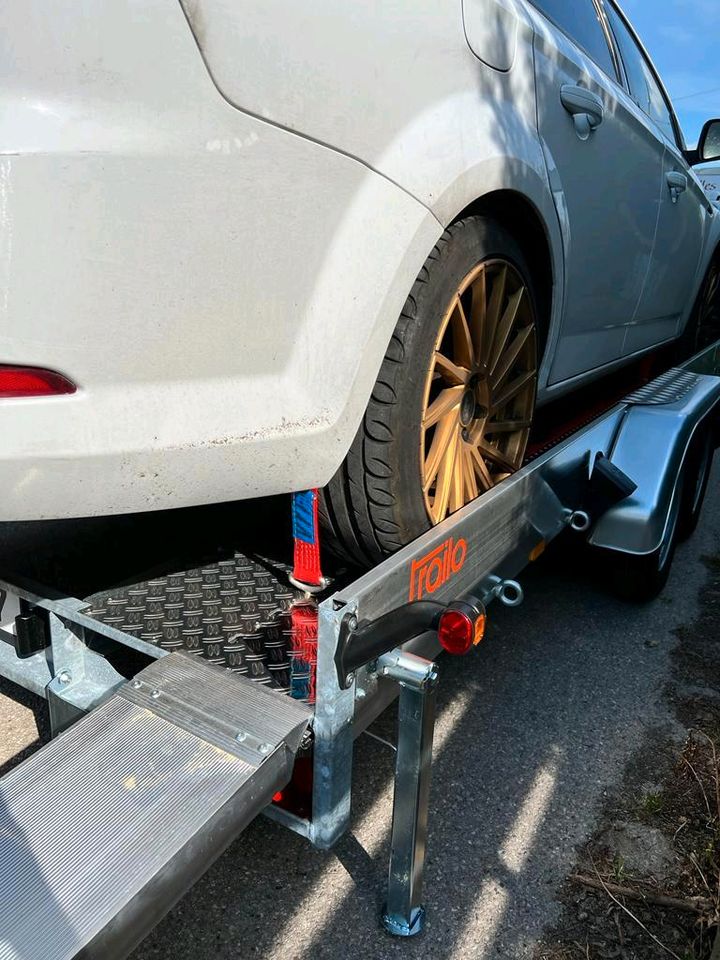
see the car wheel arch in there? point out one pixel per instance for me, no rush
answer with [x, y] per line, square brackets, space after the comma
[522, 218]
[531, 218]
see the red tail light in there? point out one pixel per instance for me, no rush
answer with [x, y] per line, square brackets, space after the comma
[32, 382]
[461, 627]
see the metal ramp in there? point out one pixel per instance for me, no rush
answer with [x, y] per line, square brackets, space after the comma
[105, 828]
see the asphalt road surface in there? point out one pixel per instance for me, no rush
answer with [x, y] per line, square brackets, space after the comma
[534, 728]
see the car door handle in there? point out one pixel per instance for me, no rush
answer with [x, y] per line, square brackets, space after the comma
[585, 107]
[678, 184]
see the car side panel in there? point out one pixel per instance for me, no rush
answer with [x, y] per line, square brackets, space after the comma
[394, 84]
[677, 264]
[437, 95]
[610, 185]
[221, 290]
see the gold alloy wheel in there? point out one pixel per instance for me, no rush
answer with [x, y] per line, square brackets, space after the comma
[480, 389]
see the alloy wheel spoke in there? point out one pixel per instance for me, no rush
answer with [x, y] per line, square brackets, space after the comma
[471, 487]
[512, 390]
[457, 488]
[449, 371]
[446, 401]
[445, 478]
[481, 469]
[497, 297]
[504, 328]
[496, 456]
[504, 364]
[440, 442]
[713, 288]
[462, 341]
[478, 313]
[475, 433]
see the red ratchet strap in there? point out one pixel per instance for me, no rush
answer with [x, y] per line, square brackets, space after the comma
[306, 535]
[303, 658]
[307, 575]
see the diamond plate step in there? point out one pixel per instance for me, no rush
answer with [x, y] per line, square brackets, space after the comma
[669, 387]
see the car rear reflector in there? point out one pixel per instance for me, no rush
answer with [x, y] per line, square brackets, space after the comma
[32, 382]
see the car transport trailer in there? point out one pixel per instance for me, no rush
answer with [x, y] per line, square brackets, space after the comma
[160, 758]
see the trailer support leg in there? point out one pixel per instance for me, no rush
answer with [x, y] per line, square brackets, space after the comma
[403, 914]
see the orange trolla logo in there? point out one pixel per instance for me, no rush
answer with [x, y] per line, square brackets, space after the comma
[430, 572]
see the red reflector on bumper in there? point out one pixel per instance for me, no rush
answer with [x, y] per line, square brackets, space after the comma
[32, 382]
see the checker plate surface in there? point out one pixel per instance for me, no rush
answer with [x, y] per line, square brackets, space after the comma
[234, 612]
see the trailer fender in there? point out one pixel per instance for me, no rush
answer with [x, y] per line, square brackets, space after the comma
[651, 445]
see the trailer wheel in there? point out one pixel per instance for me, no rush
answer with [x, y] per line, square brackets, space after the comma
[704, 325]
[640, 579]
[697, 473]
[451, 410]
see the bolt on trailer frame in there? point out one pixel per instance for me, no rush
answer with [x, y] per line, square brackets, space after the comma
[216, 746]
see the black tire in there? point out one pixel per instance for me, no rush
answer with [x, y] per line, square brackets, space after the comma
[704, 325]
[640, 579]
[375, 503]
[697, 473]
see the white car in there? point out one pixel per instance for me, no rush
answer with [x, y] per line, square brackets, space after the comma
[212, 215]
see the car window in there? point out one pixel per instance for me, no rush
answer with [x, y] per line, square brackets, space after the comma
[644, 88]
[580, 20]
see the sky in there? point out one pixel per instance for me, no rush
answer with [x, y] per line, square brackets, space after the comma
[683, 39]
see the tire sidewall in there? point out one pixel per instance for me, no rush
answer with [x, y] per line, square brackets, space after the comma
[699, 465]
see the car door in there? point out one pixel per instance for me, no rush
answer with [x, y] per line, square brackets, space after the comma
[683, 210]
[605, 169]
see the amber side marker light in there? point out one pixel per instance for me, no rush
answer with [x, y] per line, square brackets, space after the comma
[461, 627]
[537, 551]
[32, 382]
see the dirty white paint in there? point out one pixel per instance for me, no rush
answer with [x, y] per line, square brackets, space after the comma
[213, 237]
[6, 233]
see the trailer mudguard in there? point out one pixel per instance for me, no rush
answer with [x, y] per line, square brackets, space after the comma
[650, 446]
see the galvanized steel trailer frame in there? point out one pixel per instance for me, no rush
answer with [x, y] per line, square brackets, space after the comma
[478, 551]
[647, 435]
